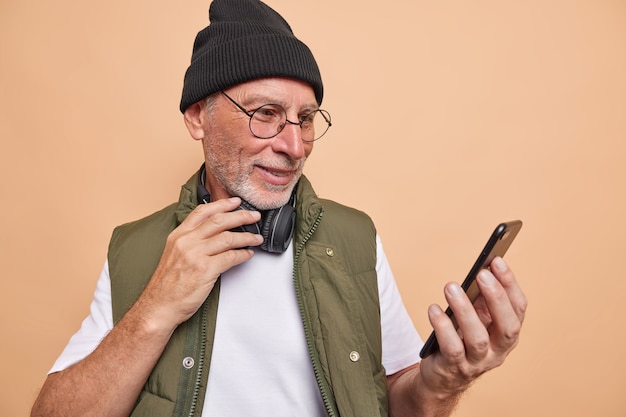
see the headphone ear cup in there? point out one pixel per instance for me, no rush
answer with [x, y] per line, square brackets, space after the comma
[277, 229]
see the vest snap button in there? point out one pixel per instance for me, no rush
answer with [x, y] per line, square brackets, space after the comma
[330, 252]
[188, 362]
[354, 356]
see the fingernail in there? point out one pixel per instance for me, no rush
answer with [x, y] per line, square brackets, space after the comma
[499, 264]
[455, 290]
[435, 310]
[486, 278]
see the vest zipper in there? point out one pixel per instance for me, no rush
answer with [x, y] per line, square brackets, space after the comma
[198, 379]
[321, 384]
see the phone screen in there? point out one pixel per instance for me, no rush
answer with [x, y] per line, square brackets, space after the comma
[497, 245]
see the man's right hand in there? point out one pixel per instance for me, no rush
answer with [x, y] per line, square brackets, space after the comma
[195, 255]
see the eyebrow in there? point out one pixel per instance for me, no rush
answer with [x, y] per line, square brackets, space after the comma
[260, 99]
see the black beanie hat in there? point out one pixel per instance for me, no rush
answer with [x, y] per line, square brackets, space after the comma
[246, 40]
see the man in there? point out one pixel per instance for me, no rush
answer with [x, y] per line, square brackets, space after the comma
[285, 307]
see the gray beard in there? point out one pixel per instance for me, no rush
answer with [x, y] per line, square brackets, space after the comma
[275, 197]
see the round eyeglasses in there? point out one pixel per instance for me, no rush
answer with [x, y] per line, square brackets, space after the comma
[270, 119]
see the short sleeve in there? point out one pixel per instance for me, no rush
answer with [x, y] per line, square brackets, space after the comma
[401, 342]
[93, 329]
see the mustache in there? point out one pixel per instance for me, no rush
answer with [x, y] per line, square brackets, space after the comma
[283, 163]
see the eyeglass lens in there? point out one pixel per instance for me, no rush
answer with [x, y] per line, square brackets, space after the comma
[269, 120]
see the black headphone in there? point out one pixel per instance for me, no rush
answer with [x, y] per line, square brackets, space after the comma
[276, 225]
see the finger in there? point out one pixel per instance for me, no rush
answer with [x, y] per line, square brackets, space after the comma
[470, 326]
[506, 324]
[202, 212]
[228, 240]
[212, 235]
[221, 222]
[227, 259]
[450, 343]
[483, 311]
[507, 279]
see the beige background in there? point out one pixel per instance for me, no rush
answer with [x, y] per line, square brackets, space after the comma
[449, 116]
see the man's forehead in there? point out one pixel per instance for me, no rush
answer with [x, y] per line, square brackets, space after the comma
[283, 91]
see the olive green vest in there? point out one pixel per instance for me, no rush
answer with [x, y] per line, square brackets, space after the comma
[336, 287]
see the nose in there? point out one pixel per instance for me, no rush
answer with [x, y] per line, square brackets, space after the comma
[289, 141]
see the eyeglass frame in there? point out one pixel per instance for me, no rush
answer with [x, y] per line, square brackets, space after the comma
[324, 113]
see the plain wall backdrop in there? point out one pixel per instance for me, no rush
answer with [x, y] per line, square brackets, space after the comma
[448, 117]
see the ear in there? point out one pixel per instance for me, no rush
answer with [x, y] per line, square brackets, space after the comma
[194, 120]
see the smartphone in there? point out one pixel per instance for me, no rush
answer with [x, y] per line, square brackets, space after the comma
[497, 245]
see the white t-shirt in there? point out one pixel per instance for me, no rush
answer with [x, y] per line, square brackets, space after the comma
[260, 363]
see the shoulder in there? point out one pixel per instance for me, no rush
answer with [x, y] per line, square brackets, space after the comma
[161, 220]
[344, 216]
